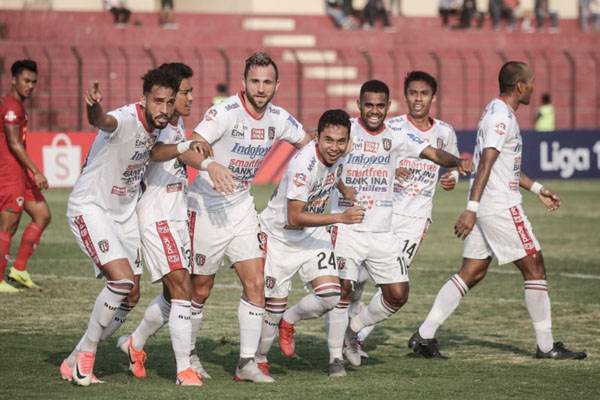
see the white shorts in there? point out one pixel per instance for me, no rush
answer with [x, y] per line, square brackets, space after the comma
[507, 234]
[411, 231]
[105, 240]
[379, 251]
[233, 232]
[166, 248]
[312, 258]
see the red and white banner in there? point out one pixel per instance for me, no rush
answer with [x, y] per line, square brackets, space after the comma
[60, 155]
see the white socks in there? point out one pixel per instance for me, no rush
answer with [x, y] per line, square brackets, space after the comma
[155, 316]
[103, 312]
[377, 310]
[313, 305]
[118, 320]
[337, 322]
[180, 329]
[445, 303]
[274, 311]
[538, 305]
[250, 318]
[196, 314]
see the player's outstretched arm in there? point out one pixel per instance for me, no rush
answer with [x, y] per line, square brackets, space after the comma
[466, 221]
[13, 135]
[449, 179]
[95, 114]
[445, 159]
[545, 195]
[162, 152]
[298, 217]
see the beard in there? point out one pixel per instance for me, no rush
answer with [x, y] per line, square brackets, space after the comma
[152, 122]
[256, 106]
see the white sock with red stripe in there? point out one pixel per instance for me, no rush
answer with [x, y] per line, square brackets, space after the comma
[313, 305]
[336, 324]
[180, 329]
[445, 303]
[538, 305]
[155, 317]
[273, 312]
[103, 312]
[196, 314]
[250, 318]
[117, 321]
[377, 310]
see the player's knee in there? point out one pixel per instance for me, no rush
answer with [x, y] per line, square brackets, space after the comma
[43, 220]
[396, 298]
[330, 301]
[200, 294]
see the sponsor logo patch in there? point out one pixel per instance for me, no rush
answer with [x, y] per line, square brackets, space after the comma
[20, 201]
[10, 116]
[119, 190]
[271, 132]
[211, 115]
[372, 147]
[341, 263]
[440, 143]
[300, 179]
[500, 128]
[174, 187]
[257, 134]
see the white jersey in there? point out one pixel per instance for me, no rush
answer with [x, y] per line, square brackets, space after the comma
[414, 197]
[498, 129]
[164, 187]
[370, 169]
[109, 183]
[240, 143]
[306, 179]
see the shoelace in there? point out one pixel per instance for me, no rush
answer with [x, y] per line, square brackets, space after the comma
[287, 332]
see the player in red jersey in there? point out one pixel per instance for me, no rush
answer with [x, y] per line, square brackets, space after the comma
[18, 189]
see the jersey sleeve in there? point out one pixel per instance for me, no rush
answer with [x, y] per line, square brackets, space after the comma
[212, 126]
[300, 180]
[451, 145]
[121, 116]
[13, 113]
[289, 130]
[168, 135]
[496, 128]
[413, 145]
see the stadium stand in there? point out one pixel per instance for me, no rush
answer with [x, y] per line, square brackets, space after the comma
[320, 66]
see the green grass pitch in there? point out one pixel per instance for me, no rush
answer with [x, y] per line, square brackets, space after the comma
[489, 338]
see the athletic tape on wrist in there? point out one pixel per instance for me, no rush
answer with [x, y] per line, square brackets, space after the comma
[205, 163]
[454, 174]
[536, 187]
[183, 146]
[473, 206]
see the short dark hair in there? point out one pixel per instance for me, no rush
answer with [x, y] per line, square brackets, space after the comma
[546, 99]
[510, 74]
[160, 77]
[374, 86]
[260, 60]
[21, 65]
[334, 117]
[420, 76]
[180, 70]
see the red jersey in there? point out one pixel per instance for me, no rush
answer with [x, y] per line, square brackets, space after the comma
[11, 113]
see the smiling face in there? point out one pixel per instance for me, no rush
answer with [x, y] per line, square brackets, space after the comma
[419, 97]
[24, 84]
[184, 98]
[373, 109]
[260, 86]
[158, 106]
[332, 144]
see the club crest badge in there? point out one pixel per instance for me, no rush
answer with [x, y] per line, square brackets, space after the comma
[387, 144]
[270, 282]
[200, 259]
[103, 246]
